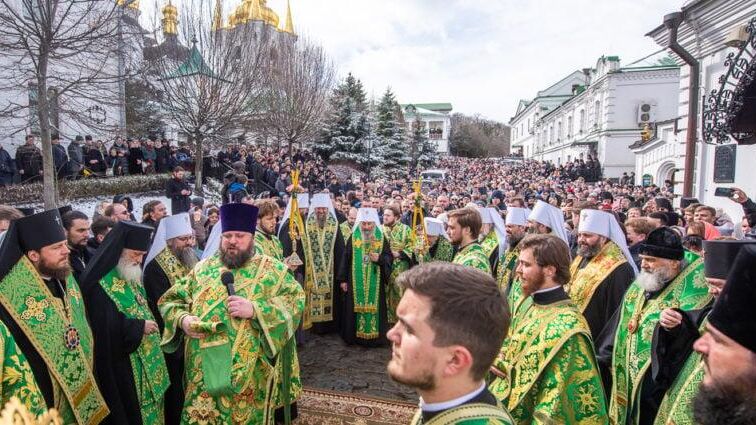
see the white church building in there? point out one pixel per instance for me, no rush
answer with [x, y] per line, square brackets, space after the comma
[711, 31]
[599, 112]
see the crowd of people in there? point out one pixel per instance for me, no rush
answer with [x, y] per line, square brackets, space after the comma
[510, 292]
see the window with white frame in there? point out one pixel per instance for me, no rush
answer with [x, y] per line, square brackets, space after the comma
[582, 120]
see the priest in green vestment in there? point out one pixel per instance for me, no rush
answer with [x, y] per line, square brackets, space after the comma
[129, 363]
[266, 241]
[443, 349]
[238, 312]
[398, 235]
[347, 225]
[439, 248]
[516, 224]
[464, 228]
[670, 277]
[493, 235]
[363, 281]
[546, 370]
[674, 363]
[323, 249]
[170, 259]
[727, 394]
[47, 340]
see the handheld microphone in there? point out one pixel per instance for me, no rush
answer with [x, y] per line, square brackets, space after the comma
[228, 281]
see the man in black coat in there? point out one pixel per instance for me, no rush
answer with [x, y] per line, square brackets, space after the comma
[178, 191]
[162, 152]
[7, 168]
[60, 158]
[29, 161]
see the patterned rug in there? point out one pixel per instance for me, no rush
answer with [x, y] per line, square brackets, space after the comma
[319, 407]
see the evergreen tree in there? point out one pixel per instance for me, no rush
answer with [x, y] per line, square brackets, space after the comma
[390, 134]
[346, 125]
[424, 151]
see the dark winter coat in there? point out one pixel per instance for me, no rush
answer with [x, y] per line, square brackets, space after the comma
[29, 160]
[76, 157]
[179, 203]
[60, 160]
[7, 167]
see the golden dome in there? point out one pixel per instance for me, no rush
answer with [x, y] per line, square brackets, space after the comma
[268, 15]
[133, 5]
[249, 10]
[170, 19]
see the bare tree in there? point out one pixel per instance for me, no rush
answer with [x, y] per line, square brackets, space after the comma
[215, 91]
[63, 53]
[298, 84]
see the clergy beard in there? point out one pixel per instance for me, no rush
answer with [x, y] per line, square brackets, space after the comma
[514, 240]
[651, 281]
[186, 256]
[236, 259]
[588, 251]
[53, 271]
[128, 270]
[725, 403]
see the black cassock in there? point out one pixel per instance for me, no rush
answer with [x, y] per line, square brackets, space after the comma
[607, 297]
[115, 338]
[348, 326]
[156, 282]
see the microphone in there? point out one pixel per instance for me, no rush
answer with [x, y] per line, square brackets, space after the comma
[228, 281]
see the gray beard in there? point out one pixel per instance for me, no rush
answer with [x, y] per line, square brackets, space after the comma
[129, 271]
[186, 256]
[650, 282]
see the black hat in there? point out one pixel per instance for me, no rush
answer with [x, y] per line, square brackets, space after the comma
[663, 243]
[238, 218]
[198, 201]
[733, 313]
[78, 139]
[30, 233]
[26, 211]
[684, 202]
[126, 235]
[720, 256]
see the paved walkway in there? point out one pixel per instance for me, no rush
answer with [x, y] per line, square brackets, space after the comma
[327, 363]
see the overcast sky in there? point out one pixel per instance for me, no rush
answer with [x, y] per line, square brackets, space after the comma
[480, 55]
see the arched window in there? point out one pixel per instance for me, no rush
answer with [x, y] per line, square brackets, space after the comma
[582, 120]
[597, 113]
[569, 126]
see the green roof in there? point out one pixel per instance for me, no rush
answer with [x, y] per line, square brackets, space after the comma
[193, 65]
[443, 107]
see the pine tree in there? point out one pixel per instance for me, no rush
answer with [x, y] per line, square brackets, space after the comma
[424, 151]
[390, 134]
[346, 126]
